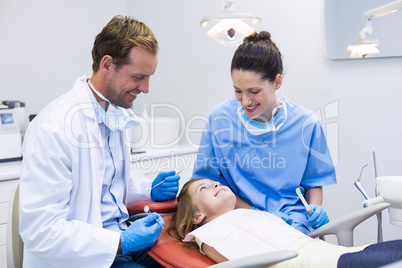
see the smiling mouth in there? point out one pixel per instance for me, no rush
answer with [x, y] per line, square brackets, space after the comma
[220, 190]
[250, 108]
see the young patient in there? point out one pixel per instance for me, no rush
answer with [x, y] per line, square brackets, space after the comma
[206, 219]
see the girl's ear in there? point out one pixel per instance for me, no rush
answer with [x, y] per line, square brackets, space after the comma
[198, 218]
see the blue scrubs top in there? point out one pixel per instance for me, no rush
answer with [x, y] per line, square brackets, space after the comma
[265, 170]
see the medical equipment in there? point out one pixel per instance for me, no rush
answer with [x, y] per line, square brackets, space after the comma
[308, 208]
[177, 173]
[388, 189]
[360, 187]
[12, 129]
[147, 210]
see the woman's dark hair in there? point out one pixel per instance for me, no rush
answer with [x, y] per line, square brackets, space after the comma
[258, 54]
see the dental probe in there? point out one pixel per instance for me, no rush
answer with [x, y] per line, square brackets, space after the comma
[177, 173]
[146, 210]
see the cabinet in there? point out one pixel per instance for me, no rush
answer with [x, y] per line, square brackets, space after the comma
[6, 188]
[9, 175]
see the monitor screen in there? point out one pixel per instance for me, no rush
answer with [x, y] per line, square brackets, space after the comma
[6, 119]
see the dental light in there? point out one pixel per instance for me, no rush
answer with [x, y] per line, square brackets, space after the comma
[230, 27]
[368, 47]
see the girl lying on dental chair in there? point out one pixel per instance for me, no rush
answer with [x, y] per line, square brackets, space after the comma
[206, 220]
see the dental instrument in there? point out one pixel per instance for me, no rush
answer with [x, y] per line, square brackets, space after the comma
[308, 208]
[177, 173]
[359, 186]
[147, 210]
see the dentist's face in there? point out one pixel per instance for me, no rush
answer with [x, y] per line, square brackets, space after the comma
[124, 84]
[211, 198]
[257, 96]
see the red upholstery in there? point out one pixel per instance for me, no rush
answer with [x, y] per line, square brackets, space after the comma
[167, 250]
[169, 206]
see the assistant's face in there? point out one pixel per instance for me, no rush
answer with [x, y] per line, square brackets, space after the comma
[211, 198]
[257, 96]
[124, 84]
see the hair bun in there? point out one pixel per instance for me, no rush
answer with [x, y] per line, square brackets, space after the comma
[255, 37]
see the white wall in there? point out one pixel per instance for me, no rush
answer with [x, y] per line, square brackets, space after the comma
[46, 44]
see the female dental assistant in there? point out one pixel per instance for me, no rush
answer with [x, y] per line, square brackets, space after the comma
[264, 147]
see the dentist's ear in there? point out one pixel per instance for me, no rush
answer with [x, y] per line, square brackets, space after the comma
[278, 81]
[198, 218]
[106, 63]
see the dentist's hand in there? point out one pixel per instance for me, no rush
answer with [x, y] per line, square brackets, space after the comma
[283, 216]
[141, 234]
[318, 216]
[167, 189]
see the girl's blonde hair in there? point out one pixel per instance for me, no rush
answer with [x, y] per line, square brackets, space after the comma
[182, 221]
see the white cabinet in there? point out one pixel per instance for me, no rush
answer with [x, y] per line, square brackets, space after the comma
[9, 174]
[150, 164]
[6, 188]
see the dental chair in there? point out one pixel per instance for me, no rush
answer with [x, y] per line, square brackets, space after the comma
[170, 252]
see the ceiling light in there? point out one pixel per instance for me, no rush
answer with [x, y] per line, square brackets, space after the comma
[230, 27]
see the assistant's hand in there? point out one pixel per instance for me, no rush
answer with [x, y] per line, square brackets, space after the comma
[283, 216]
[168, 189]
[141, 234]
[318, 216]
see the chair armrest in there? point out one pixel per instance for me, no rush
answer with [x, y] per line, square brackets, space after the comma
[343, 227]
[165, 207]
[260, 260]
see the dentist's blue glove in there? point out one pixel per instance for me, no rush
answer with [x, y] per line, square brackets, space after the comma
[168, 188]
[318, 216]
[141, 234]
[283, 216]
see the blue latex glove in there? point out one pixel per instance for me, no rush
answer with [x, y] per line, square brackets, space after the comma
[168, 189]
[141, 234]
[283, 216]
[318, 216]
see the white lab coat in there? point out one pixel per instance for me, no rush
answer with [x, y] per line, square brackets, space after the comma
[61, 184]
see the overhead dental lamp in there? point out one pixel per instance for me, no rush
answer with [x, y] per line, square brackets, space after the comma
[368, 47]
[229, 27]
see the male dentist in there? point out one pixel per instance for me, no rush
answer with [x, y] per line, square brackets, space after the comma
[75, 182]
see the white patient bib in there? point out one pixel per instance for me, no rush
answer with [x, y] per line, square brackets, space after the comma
[245, 232]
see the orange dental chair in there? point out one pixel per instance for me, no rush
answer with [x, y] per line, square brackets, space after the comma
[170, 252]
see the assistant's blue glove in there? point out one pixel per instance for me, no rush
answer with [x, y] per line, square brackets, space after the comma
[141, 234]
[318, 216]
[168, 189]
[283, 216]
